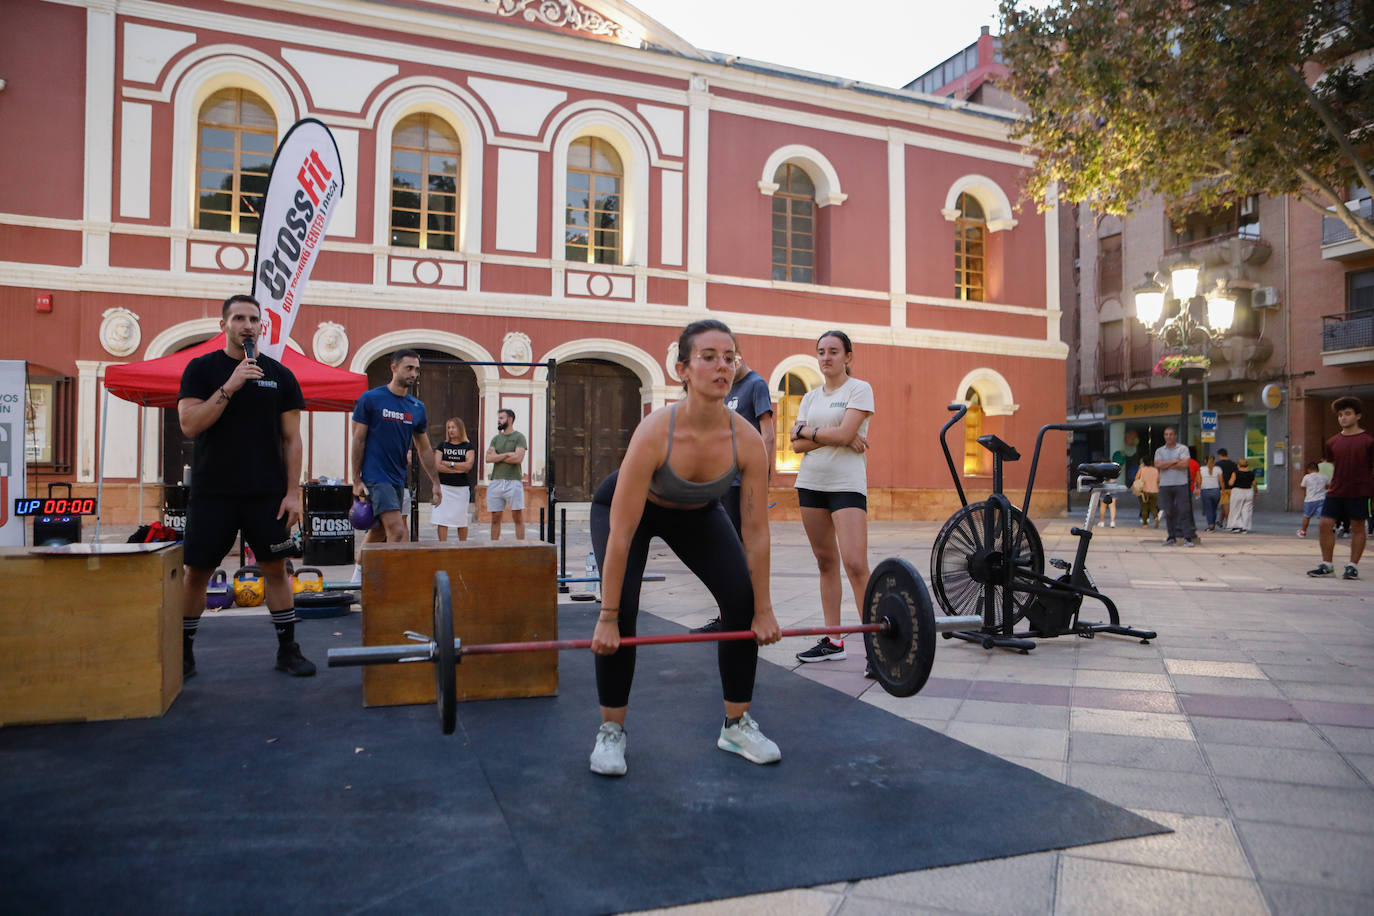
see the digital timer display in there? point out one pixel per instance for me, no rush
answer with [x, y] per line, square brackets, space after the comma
[52, 506]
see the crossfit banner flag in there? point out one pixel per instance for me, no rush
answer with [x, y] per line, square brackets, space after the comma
[305, 183]
[15, 423]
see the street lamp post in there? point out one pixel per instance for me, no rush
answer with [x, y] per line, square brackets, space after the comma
[1180, 328]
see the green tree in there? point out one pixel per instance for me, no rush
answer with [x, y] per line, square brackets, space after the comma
[1198, 101]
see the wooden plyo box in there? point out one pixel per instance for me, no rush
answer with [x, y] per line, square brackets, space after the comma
[502, 592]
[90, 635]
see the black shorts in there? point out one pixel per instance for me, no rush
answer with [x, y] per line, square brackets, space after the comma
[212, 523]
[831, 502]
[1346, 508]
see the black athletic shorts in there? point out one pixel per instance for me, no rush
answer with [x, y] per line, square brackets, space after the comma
[1346, 508]
[831, 502]
[212, 523]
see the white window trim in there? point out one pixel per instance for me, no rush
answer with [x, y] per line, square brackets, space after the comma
[996, 207]
[993, 392]
[455, 108]
[803, 364]
[811, 161]
[624, 137]
[224, 67]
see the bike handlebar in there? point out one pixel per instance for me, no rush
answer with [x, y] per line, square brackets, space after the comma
[949, 459]
[1035, 460]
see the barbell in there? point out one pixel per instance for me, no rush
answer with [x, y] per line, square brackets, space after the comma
[899, 627]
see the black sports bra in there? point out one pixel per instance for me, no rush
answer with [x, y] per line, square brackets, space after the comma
[669, 487]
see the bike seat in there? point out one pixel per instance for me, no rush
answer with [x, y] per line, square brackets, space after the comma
[1100, 470]
[999, 448]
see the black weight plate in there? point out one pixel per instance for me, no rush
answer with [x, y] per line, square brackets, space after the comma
[902, 658]
[445, 660]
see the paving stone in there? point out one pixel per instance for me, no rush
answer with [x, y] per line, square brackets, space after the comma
[1047, 743]
[1300, 855]
[1304, 899]
[1184, 793]
[1132, 751]
[1121, 722]
[1092, 887]
[1026, 714]
[1207, 845]
[1282, 764]
[1211, 730]
[1021, 884]
[1321, 807]
[1349, 739]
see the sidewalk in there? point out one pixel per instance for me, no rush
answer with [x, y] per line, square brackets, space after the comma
[1247, 726]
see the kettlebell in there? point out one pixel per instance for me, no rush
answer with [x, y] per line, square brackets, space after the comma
[249, 590]
[307, 579]
[217, 593]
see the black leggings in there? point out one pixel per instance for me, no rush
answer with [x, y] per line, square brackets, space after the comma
[707, 544]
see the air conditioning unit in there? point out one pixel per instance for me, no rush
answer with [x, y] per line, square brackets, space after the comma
[1265, 297]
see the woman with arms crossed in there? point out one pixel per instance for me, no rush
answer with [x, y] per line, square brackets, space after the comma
[832, 487]
[681, 460]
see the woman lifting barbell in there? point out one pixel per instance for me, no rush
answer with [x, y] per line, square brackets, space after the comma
[682, 458]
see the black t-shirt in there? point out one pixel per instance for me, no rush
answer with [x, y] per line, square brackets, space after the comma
[450, 452]
[1228, 467]
[241, 453]
[1245, 480]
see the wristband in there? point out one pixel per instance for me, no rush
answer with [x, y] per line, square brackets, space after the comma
[224, 394]
[814, 430]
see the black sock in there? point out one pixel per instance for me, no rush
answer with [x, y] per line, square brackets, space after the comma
[285, 623]
[189, 625]
[732, 721]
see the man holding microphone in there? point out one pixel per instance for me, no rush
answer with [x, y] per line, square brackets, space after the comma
[244, 411]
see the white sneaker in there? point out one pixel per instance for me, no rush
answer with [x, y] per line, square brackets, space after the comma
[357, 575]
[1113, 524]
[608, 757]
[745, 739]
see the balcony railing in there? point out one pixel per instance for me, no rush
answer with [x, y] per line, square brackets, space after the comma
[1334, 231]
[1348, 331]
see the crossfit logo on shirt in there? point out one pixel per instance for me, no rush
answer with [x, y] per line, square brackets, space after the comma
[267, 383]
[397, 415]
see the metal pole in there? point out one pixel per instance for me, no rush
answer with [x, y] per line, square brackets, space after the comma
[562, 550]
[549, 414]
[100, 486]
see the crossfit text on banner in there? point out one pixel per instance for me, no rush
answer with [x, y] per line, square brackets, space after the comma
[305, 183]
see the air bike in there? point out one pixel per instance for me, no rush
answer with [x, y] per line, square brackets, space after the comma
[988, 559]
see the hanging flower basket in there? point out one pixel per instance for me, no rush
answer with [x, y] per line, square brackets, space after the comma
[1179, 365]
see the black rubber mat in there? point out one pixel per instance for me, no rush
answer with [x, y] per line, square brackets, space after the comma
[260, 791]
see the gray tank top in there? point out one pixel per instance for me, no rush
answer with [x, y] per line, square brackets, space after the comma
[667, 486]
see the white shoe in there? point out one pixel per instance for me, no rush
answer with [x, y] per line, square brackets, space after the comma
[608, 757]
[745, 739]
[1113, 524]
[357, 575]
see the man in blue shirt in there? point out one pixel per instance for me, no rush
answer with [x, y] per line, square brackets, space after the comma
[387, 422]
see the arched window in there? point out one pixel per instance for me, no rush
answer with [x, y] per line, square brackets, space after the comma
[970, 246]
[593, 222]
[794, 225]
[790, 391]
[424, 184]
[235, 136]
[974, 454]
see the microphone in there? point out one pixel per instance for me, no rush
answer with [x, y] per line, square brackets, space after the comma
[250, 347]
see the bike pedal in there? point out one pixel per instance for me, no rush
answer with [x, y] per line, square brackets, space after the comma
[1060, 564]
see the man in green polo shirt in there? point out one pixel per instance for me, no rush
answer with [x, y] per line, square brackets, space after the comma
[505, 489]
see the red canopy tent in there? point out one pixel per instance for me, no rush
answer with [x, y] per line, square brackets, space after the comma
[155, 382]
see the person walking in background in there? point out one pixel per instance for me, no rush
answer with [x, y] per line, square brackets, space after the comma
[1351, 453]
[1228, 470]
[1148, 478]
[1209, 490]
[750, 398]
[506, 486]
[1175, 494]
[831, 435]
[1314, 484]
[454, 457]
[1242, 497]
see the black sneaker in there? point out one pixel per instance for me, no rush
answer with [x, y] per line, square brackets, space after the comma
[823, 651]
[868, 671]
[1323, 569]
[290, 660]
[1351, 571]
[1172, 542]
[711, 626]
[188, 660]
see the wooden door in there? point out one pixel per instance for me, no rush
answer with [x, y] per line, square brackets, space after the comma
[596, 409]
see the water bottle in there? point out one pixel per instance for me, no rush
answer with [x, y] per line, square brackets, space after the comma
[589, 587]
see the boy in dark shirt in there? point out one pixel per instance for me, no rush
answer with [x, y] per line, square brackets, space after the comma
[1351, 452]
[245, 414]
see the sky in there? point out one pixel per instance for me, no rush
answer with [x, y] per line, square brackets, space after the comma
[888, 42]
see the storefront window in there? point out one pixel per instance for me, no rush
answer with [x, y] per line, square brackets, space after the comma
[1256, 448]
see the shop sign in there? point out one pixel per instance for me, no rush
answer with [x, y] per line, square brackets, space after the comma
[1145, 407]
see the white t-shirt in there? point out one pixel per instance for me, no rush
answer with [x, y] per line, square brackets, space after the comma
[1316, 485]
[1209, 480]
[832, 468]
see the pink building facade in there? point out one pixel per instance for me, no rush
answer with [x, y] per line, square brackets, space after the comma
[780, 202]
